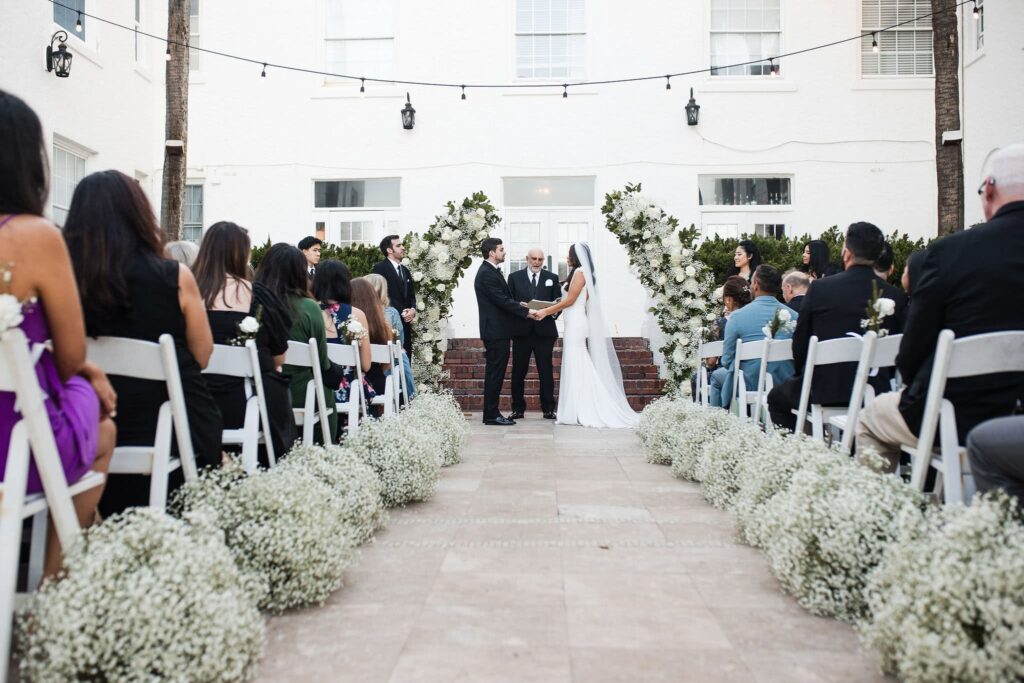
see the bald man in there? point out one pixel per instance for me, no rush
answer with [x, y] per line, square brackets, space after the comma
[531, 337]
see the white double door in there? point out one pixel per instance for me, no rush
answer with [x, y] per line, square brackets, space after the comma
[553, 230]
[349, 227]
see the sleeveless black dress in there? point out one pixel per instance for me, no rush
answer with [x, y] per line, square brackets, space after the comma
[152, 309]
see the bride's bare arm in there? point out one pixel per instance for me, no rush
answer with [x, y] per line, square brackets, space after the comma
[575, 287]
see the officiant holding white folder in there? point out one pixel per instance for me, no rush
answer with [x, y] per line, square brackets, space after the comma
[530, 337]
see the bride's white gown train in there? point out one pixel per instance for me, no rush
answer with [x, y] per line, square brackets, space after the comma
[584, 398]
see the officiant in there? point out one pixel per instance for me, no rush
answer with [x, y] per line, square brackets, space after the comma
[531, 337]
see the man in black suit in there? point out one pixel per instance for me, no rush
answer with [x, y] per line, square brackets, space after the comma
[498, 313]
[832, 307]
[310, 248]
[530, 337]
[794, 287]
[969, 283]
[401, 290]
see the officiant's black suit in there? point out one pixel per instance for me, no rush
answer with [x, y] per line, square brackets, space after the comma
[499, 313]
[530, 337]
[401, 293]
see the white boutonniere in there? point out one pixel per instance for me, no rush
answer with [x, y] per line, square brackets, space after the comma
[549, 282]
[10, 312]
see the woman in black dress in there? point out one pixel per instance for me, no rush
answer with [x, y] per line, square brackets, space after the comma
[129, 290]
[221, 270]
[817, 260]
[745, 260]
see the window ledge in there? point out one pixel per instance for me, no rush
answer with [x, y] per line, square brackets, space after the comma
[774, 85]
[896, 83]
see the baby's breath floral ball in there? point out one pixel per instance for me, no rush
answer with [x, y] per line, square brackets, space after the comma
[143, 597]
[353, 481]
[406, 458]
[947, 601]
[440, 412]
[659, 422]
[719, 468]
[285, 527]
[690, 443]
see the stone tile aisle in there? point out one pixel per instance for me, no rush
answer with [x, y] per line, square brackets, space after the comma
[558, 554]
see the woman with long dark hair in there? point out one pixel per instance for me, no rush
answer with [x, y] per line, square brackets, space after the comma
[817, 261]
[365, 299]
[221, 270]
[129, 290]
[37, 272]
[746, 259]
[283, 272]
[912, 270]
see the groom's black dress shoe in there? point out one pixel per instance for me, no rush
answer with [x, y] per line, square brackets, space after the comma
[516, 415]
[503, 421]
[550, 415]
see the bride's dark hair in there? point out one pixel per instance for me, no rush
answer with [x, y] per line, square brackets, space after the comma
[573, 262]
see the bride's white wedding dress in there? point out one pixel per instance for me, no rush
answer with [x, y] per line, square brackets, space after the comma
[590, 390]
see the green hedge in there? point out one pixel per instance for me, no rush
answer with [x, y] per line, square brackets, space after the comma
[786, 253]
[359, 257]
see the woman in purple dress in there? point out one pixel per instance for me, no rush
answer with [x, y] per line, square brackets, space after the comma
[36, 269]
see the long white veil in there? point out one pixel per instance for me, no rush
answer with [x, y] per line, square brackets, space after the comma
[599, 344]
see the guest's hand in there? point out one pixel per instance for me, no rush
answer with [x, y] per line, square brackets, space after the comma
[104, 390]
[409, 314]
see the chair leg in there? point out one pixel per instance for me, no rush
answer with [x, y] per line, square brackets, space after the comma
[251, 437]
[158, 479]
[817, 428]
[37, 549]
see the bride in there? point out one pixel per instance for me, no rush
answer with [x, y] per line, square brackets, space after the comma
[590, 390]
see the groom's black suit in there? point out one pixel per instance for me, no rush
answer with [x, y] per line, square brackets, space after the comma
[532, 337]
[498, 314]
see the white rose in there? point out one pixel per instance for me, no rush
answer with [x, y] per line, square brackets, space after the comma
[784, 315]
[249, 325]
[646, 234]
[420, 306]
[417, 276]
[446, 235]
[691, 271]
[481, 213]
[355, 328]
[10, 312]
[686, 253]
[440, 287]
[464, 244]
[691, 286]
[662, 280]
[456, 233]
[717, 294]
[679, 355]
[885, 306]
[481, 235]
[654, 212]
[629, 215]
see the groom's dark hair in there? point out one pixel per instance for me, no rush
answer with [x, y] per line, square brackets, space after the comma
[489, 245]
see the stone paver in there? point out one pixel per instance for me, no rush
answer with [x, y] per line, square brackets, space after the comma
[557, 554]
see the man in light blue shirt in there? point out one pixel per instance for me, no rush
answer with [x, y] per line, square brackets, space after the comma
[748, 324]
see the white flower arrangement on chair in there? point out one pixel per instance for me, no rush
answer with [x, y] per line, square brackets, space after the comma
[11, 314]
[144, 597]
[879, 308]
[782, 321]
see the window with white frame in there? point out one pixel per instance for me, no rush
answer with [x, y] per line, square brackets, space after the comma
[360, 38]
[745, 31]
[550, 39]
[67, 12]
[138, 39]
[353, 194]
[193, 231]
[979, 25]
[194, 38]
[905, 50]
[744, 191]
[775, 230]
[68, 169]
[355, 232]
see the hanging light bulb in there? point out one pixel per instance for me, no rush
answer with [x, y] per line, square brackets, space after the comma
[976, 13]
[78, 22]
[668, 82]
[167, 54]
[263, 74]
[362, 87]
[772, 69]
[874, 43]
[463, 91]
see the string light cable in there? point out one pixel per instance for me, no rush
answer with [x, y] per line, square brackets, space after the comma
[772, 61]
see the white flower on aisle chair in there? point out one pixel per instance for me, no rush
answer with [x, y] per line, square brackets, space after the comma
[10, 312]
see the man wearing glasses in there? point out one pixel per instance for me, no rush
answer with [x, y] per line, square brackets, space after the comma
[532, 337]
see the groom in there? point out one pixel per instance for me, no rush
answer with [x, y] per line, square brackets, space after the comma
[498, 313]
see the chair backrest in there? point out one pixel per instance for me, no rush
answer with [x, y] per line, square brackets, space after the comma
[381, 353]
[233, 361]
[343, 354]
[750, 350]
[299, 354]
[155, 361]
[17, 375]
[828, 352]
[775, 351]
[706, 350]
[307, 355]
[711, 349]
[868, 351]
[744, 351]
[886, 350]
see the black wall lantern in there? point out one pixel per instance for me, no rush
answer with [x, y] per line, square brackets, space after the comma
[408, 114]
[692, 111]
[59, 60]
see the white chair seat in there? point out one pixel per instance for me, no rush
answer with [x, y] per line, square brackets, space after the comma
[36, 502]
[138, 460]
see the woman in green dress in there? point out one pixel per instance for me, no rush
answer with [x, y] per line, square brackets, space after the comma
[283, 272]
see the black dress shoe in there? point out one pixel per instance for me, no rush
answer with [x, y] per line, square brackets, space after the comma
[503, 421]
[516, 415]
[550, 415]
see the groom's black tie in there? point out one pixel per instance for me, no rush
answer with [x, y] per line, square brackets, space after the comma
[535, 285]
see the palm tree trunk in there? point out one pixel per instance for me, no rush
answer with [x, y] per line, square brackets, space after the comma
[172, 216]
[949, 164]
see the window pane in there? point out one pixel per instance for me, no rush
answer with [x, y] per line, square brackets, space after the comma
[727, 191]
[556, 191]
[383, 192]
[369, 58]
[360, 19]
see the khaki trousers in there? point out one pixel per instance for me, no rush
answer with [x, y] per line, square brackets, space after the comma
[882, 428]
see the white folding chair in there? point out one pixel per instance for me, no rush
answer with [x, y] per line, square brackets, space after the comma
[982, 354]
[743, 398]
[156, 362]
[398, 373]
[777, 350]
[829, 352]
[706, 350]
[881, 354]
[383, 354]
[314, 409]
[348, 355]
[31, 440]
[244, 362]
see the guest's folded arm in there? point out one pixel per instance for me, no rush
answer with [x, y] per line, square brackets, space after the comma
[197, 325]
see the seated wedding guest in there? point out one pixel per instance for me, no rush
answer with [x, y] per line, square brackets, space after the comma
[748, 324]
[394, 318]
[365, 298]
[80, 400]
[735, 295]
[885, 263]
[818, 260]
[832, 308]
[746, 259]
[332, 288]
[794, 287]
[964, 281]
[221, 271]
[183, 252]
[996, 451]
[129, 290]
[283, 272]
[310, 247]
[912, 271]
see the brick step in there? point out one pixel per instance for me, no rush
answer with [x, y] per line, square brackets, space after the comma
[465, 371]
[477, 344]
[470, 357]
[475, 404]
[644, 387]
